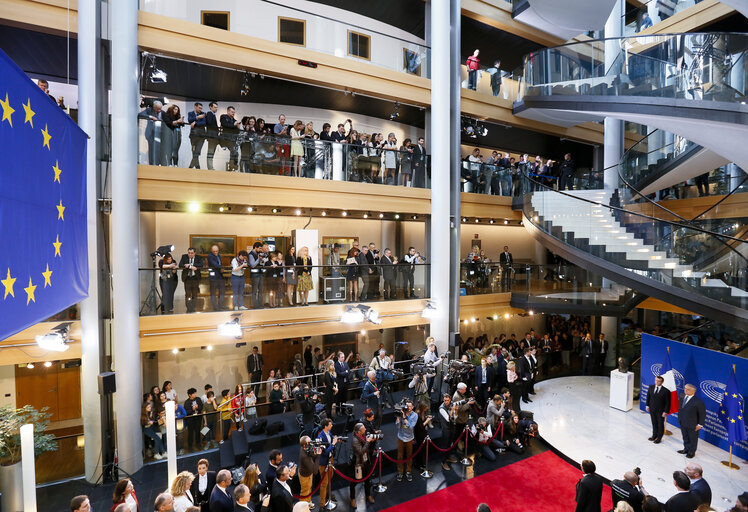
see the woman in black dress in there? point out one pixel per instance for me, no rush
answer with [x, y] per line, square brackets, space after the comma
[329, 379]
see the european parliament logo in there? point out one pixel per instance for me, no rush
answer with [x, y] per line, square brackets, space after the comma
[43, 264]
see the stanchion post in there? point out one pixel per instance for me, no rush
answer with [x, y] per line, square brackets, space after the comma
[380, 486]
[465, 461]
[329, 505]
[426, 473]
[28, 471]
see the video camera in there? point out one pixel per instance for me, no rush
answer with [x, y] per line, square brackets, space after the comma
[423, 369]
[402, 405]
[346, 408]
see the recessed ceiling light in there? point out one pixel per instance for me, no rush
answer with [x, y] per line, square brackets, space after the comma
[193, 207]
[345, 214]
[381, 215]
[220, 208]
[47, 364]
[250, 209]
[397, 216]
[298, 212]
[175, 351]
[366, 215]
[506, 221]
[324, 213]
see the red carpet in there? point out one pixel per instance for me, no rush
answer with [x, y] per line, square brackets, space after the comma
[542, 483]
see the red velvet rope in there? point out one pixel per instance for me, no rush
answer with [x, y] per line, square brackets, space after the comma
[328, 475]
[444, 450]
[492, 437]
[353, 480]
[413, 455]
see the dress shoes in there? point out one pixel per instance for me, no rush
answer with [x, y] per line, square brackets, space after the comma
[371, 499]
[651, 438]
[657, 441]
[682, 451]
[353, 504]
[691, 455]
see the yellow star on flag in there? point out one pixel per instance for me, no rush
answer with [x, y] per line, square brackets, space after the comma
[47, 137]
[57, 245]
[732, 421]
[30, 292]
[47, 275]
[29, 113]
[60, 211]
[58, 171]
[734, 395]
[8, 283]
[7, 110]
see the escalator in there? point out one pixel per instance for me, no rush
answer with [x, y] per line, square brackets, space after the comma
[648, 254]
[693, 85]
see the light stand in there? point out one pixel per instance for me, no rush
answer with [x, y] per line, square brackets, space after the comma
[380, 487]
[154, 296]
[426, 473]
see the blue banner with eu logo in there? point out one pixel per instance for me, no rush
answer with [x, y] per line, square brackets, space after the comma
[44, 258]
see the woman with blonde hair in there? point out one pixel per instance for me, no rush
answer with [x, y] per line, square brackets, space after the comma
[297, 149]
[251, 476]
[180, 490]
[304, 272]
[329, 379]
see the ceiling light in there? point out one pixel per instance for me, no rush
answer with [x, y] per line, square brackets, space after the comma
[250, 209]
[415, 217]
[531, 312]
[193, 207]
[495, 316]
[366, 215]
[232, 328]
[465, 321]
[55, 340]
[362, 332]
[298, 212]
[276, 210]
[397, 216]
[30, 366]
[345, 213]
[477, 220]
[209, 347]
[47, 364]
[220, 208]
[506, 221]
[324, 213]
[490, 221]
[381, 215]
[352, 315]
[464, 219]
[175, 351]
[506, 315]
[429, 311]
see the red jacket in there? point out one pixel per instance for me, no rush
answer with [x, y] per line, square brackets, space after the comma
[136, 503]
[473, 63]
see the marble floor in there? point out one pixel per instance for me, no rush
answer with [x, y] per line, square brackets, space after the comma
[574, 417]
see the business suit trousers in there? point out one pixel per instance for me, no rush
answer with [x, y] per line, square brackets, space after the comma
[197, 144]
[306, 487]
[212, 144]
[257, 301]
[690, 439]
[409, 282]
[658, 424]
[191, 292]
[256, 377]
[390, 289]
[217, 293]
[587, 364]
[363, 290]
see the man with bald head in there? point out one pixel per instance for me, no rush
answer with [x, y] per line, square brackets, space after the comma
[699, 487]
[220, 501]
[629, 490]
[691, 416]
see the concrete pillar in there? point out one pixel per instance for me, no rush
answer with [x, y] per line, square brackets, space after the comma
[89, 27]
[440, 170]
[613, 138]
[125, 325]
[609, 326]
[455, 203]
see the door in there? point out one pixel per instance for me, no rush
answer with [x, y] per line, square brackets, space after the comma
[280, 353]
[53, 387]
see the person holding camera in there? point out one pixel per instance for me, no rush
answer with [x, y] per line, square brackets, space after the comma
[255, 260]
[406, 422]
[629, 489]
[328, 442]
[495, 411]
[487, 444]
[463, 403]
[362, 442]
[308, 467]
[372, 396]
[409, 269]
[420, 387]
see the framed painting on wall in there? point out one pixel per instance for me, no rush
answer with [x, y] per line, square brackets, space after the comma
[202, 244]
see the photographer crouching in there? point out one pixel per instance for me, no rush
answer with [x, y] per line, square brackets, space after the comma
[405, 436]
[362, 443]
[308, 466]
[486, 443]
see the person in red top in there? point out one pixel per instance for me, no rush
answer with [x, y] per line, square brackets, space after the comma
[237, 406]
[473, 65]
[124, 492]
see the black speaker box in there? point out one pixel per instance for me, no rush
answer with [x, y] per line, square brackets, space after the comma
[107, 383]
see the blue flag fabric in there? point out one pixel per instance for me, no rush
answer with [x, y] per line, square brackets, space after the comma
[732, 411]
[44, 258]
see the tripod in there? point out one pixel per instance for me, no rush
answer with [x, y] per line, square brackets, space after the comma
[154, 296]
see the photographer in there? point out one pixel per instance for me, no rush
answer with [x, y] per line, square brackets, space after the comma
[256, 262]
[495, 411]
[420, 386]
[371, 395]
[308, 466]
[463, 403]
[362, 443]
[512, 435]
[382, 363]
[421, 430]
[328, 442]
[447, 416]
[629, 490]
[483, 434]
[307, 405]
[406, 422]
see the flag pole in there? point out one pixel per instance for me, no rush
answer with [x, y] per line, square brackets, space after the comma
[729, 463]
[667, 432]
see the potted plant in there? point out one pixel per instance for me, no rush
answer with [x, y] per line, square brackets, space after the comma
[11, 420]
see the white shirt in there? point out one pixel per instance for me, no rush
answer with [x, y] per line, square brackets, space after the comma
[202, 483]
[183, 502]
[171, 394]
[235, 270]
[430, 357]
[131, 503]
[285, 486]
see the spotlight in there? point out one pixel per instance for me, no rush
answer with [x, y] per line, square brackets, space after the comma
[466, 321]
[506, 315]
[429, 311]
[241, 344]
[414, 217]
[162, 251]
[154, 74]
[477, 220]
[210, 347]
[395, 112]
[250, 209]
[168, 205]
[276, 210]
[397, 216]
[362, 332]
[531, 312]
[366, 215]
[381, 215]
[298, 212]
[464, 219]
[47, 364]
[345, 213]
[232, 328]
[220, 209]
[175, 351]
[483, 130]
[244, 90]
[193, 207]
[506, 221]
[490, 221]
[324, 213]
[55, 340]
[352, 315]
[30, 366]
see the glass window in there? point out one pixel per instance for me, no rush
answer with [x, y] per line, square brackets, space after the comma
[359, 45]
[215, 19]
[291, 31]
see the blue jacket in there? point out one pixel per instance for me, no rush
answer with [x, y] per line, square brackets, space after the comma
[367, 394]
[220, 501]
[341, 370]
[214, 263]
[324, 457]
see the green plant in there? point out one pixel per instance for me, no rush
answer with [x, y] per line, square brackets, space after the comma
[11, 420]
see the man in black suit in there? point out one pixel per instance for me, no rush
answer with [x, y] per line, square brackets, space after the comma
[699, 487]
[484, 377]
[275, 459]
[684, 500]
[587, 351]
[691, 416]
[255, 364]
[506, 261]
[419, 164]
[191, 264]
[211, 128]
[524, 372]
[629, 490]
[230, 131]
[602, 352]
[220, 501]
[281, 498]
[241, 497]
[589, 489]
[203, 484]
[658, 407]
[389, 275]
[217, 282]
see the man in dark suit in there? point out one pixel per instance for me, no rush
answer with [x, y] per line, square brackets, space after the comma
[389, 275]
[506, 260]
[275, 459]
[587, 351]
[629, 490]
[699, 487]
[215, 275]
[241, 497]
[229, 132]
[255, 364]
[484, 377]
[589, 489]
[683, 500]
[602, 352]
[371, 395]
[203, 484]
[191, 264]
[281, 498]
[211, 128]
[691, 416]
[419, 164]
[524, 372]
[153, 115]
[193, 421]
[220, 501]
[658, 406]
[342, 372]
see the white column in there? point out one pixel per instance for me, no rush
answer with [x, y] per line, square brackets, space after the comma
[440, 171]
[125, 332]
[88, 31]
[609, 327]
[171, 442]
[613, 138]
[27, 467]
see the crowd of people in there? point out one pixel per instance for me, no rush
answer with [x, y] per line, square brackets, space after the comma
[278, 280]
[297, 149]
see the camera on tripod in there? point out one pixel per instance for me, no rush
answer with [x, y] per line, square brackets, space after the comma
[346, 409]
[423, 369]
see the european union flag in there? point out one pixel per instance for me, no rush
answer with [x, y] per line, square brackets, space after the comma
[732, 411]
[43, 262]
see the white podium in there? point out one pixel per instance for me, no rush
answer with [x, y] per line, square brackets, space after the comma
[622, 390]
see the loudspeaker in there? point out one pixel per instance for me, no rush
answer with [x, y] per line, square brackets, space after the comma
[107, 383]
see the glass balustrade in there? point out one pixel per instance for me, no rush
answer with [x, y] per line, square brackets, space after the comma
[165, 291]
[651, 13]
[695, 66]
[378, 43]
[235, 150]
[493, 81]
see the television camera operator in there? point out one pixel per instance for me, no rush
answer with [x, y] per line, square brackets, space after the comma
[307, 399]
[363, 442]
[406, 422]
[309, 454]
[420, 383]
[463, 401]
[371, 395]
[459, 371]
